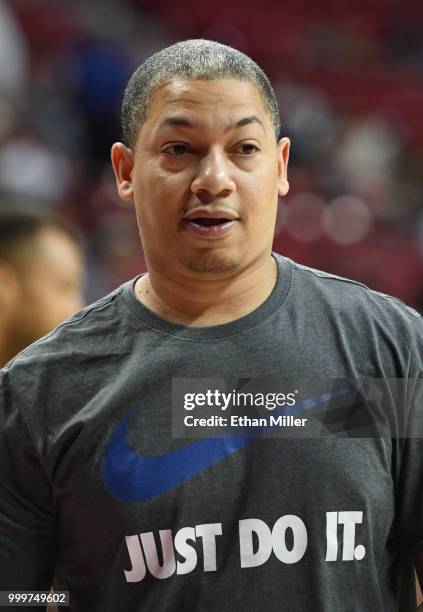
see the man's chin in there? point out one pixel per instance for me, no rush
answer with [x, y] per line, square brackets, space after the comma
[214, 263]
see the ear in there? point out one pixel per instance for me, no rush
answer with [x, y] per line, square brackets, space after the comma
[283, 157]
[123, 163]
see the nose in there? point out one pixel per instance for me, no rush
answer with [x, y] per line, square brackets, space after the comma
[213, 178]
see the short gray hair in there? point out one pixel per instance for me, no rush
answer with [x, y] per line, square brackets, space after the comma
[192, 60]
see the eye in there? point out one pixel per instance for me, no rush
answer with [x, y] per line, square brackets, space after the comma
[247, 148]
[176, 149]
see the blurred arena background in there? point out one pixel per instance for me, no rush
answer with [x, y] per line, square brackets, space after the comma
[349, 79]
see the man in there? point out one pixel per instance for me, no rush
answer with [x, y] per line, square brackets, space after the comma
[99, 493]
[41, 278]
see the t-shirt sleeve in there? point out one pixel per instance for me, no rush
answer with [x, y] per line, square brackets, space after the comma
[410, 498]
[409, 483]
[28, 521]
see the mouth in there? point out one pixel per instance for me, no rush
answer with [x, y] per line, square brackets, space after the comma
[208, 227]
[206, 221]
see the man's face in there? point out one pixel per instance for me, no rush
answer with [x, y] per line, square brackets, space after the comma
[50, 285]
[205, 177]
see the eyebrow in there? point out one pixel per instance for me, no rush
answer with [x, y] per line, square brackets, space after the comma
[182, 122]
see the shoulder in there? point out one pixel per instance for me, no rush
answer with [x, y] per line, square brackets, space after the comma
[87, 333]
[49, 385]
[364, 326]
[343, 296]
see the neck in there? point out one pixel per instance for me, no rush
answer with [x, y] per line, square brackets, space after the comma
[200, 302]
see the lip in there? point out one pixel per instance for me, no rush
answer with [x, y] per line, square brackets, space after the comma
[231, 215]
[212, 231]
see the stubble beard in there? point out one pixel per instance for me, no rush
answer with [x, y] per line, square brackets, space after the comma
[213, 263]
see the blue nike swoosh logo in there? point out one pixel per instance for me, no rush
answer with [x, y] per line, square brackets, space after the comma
[134, 477]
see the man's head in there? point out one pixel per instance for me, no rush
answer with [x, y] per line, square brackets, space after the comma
[200, 123]
[41, 278]
[191, 60]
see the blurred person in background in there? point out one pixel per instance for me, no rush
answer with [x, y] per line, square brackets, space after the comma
[41, 278]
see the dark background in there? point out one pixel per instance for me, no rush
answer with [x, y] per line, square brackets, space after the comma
[349, 80]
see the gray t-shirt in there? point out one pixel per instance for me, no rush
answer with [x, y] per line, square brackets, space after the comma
[91, 489]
